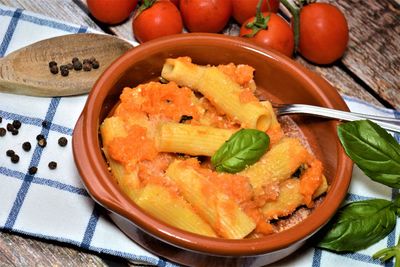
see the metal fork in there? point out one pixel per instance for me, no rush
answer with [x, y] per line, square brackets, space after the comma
[390, 124]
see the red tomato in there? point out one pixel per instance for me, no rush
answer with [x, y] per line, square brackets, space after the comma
[111, 11]
[244, 9]
[278, 35]
[324, 33]
[176, 2]
[205, 15]
[161, 19]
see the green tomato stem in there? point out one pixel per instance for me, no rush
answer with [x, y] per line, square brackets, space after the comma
[295, 11]
[259, 23]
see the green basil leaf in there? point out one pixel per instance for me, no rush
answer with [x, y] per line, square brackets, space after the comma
[374, 150]
[358, 225]
[244, 148]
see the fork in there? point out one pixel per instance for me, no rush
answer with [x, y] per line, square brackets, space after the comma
[390, 124]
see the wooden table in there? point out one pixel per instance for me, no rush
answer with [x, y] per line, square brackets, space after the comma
[370, 70]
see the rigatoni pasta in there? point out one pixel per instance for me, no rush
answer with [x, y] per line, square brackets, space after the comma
[160, 137]
[224, 93]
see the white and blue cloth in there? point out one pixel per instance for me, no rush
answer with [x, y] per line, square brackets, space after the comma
[53, 204]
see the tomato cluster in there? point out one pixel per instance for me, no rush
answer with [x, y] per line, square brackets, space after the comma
[320, 34]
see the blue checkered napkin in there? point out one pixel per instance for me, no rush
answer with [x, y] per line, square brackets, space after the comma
[52, 204]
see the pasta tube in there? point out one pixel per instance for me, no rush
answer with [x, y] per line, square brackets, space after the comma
[190, 139]
[172, 209]
[221, 90]
[278, 164]
[289, 198]
[219, 210]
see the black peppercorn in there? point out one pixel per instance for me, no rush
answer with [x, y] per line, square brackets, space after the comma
[64, 72]
[16, 124]
[75, 59]
[95, 64]
[52, 165]
[86, 60]
[44, 124]
[1, 119]
[62, 141]
[54, 69]
[52, 63]
[10, 127]
[77, 65]
[42, 142]
[39, 136]
[70, 66]
[2, 132]
[26, 146]
[14, 132]
[14, 158]
[87, 67]
[10, 152]
[32, 170]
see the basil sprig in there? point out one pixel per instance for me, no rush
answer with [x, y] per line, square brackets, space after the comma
[374, 151]
[360, 224]
[388, 253]
[244, 148]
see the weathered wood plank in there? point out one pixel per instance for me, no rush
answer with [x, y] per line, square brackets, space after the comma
[373, 51]
[17, 250]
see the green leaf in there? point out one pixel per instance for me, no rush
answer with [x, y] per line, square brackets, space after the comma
[374, 150]
[244, 148]
[358, 225]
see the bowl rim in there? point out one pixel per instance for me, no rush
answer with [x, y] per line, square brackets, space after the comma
[105, 191]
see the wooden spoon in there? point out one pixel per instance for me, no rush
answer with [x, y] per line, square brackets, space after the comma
[26, 71]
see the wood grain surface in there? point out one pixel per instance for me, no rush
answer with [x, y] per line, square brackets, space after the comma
[370, 70]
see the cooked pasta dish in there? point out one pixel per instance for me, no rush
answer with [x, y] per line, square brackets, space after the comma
[162, 135]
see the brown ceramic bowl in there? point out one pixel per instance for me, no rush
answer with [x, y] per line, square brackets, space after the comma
[283, 79]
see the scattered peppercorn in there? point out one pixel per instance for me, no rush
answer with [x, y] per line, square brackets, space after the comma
[32, 170]
[86, 60]
[44, 124]
[95, 64]
[75, 59]
[26, 146]
[10, 127]
[62, 141]
[42, 142]
[52, 63]
[14, 132]
[77, 65]
[1, 119]
[14, 158]
[52, 165]
[64, 72]
[10, 152]
[2, 132]
[54, 69]
[39, 136]
[87, 66]
[70, 66]
[16, 124]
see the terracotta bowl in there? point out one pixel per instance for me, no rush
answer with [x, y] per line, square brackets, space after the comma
[281, 78]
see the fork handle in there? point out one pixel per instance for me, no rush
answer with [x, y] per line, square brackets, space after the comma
[390, 124]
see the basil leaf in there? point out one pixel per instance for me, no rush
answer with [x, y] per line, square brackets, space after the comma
[244, 148]
[358, 225]
[374, 150]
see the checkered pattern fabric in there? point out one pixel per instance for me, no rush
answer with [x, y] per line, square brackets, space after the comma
[52, 204]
